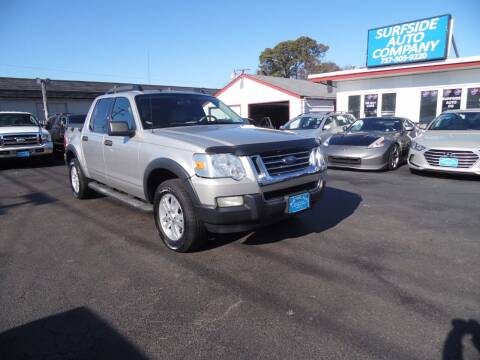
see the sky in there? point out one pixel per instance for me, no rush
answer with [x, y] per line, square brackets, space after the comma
[196, 43]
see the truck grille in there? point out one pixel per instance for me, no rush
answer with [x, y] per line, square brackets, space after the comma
[341, 160]
[466, 159]
[286, 161]
[20, 140]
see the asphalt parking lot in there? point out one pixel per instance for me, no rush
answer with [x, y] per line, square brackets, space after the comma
[385, 267]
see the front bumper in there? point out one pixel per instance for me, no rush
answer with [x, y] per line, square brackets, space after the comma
[34, 150]
[259, 209]
[416, 161]
[356, 157]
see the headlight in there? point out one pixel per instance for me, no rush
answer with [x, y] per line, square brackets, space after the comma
[416, 146]
[218, 166]
[317, 159]
[327, 142]
[46, 137]
[377, 143]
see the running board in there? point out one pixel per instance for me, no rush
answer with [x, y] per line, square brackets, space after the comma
[124, 198]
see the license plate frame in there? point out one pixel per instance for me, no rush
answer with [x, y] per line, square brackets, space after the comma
[23, 153]
[297, 203]
[448, 162]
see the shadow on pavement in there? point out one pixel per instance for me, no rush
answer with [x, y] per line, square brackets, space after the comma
[453, 347]
[75, 334]
[451, 176]
[34, 162]
[37, 198]
[335, 206]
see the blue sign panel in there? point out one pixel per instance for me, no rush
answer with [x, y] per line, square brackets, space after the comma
[415, 41]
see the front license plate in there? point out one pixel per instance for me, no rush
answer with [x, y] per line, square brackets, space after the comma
[298, 203]
[23, 153]
[448, 162]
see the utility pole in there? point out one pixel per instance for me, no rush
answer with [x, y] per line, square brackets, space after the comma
[43, 83]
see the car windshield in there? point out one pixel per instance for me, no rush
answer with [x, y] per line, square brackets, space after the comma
[170, 110]
[17, 119]
[304, 123]
[376, 124]
[76, 119]
[457, 121]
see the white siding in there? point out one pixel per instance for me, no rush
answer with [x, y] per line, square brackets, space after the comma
[246, 91]
[408, 89]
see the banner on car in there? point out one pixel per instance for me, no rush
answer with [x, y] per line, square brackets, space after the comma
[409, 42]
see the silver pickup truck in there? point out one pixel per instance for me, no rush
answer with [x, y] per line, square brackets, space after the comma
[21, 136]
[193, 162]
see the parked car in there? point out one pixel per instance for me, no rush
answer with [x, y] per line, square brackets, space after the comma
[21, 136]
[58, 123]
[319, 125]
[450, 143]
[192, 161]
[371, 143]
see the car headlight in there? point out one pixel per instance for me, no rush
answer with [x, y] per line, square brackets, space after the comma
[327, 141]
[377, 143]
[46, 137]
[416, 146]
[218, 166]
[317, 159]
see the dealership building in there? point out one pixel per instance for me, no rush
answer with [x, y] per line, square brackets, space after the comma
[419, 85]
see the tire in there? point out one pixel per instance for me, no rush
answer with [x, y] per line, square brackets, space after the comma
[394, 157]
[80, 190]
[173, 207]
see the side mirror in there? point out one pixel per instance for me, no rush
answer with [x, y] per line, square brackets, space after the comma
[327, 127]
[120, 128]
[423, 126]
[409, 128]
[282, 127]
[344, 127]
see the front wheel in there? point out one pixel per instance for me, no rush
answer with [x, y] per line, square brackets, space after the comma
[394, 157]
[175, 217]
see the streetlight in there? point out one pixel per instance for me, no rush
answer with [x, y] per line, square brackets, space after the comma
[43, 83]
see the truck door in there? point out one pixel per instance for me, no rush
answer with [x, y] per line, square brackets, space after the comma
[121, 152]
[93, 138]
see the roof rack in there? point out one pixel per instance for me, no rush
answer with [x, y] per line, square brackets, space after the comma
[118, 89]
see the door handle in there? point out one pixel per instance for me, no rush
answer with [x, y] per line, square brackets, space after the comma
[84, 138]
[107, 142]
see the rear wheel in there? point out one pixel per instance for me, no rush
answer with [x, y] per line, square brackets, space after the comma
[175, 217]
[394, 157]
[78, 181]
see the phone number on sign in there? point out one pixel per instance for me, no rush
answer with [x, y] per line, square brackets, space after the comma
[403, 58]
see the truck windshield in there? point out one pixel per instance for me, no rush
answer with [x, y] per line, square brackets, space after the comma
[457, 121]
[170, 110]
[17, 119]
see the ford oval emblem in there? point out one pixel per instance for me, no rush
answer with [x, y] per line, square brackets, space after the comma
[287, 160]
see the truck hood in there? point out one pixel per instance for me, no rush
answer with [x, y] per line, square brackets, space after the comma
[207, 136]
[450, 139]
[7, 130]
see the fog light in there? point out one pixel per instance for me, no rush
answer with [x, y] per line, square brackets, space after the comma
[230, 201]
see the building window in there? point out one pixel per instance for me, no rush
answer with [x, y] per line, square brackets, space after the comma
[354, 105]
[473, 98]
[428, 105]
[389, 102]
[370, 105]
[451, 99]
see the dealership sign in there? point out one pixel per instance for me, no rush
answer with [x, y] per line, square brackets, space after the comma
[420, 40]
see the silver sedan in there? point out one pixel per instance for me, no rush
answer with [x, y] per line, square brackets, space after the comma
[451, 143]
[372, 143]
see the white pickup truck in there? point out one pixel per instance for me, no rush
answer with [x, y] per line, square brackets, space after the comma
[21, 136]
[194, 162]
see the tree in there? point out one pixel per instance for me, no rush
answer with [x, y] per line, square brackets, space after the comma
[293, 58]
[325, 67]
